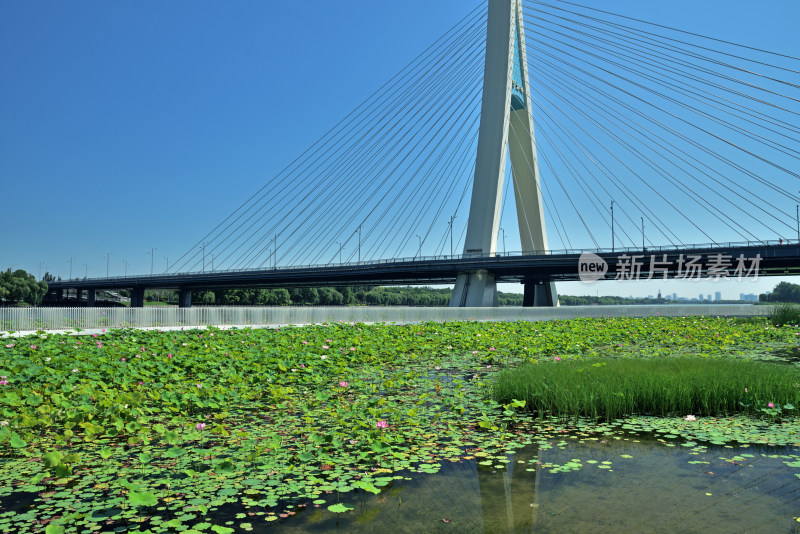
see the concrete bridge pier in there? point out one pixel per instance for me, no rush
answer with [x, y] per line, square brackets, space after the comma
[474, 289]
[184, 298]
[91, 295]
[539, 293]
[137, 297]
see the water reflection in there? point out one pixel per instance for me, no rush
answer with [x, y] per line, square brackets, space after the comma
[581, 485]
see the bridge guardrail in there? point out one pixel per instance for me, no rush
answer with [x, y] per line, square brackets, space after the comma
[455, 257]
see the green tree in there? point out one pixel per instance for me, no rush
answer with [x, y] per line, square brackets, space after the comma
[20, 286]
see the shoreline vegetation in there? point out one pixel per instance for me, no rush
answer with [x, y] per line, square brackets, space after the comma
[181, 430]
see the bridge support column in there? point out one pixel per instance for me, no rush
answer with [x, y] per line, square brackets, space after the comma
[137, 297]
[539, 293]
[474, 289]
[78, 295]
[91, 295]
[185, 298]
[506, 132]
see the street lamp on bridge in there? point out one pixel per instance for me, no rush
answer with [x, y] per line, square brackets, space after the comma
[612, 226]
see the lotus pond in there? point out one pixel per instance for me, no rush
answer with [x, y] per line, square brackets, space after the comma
[384, 427]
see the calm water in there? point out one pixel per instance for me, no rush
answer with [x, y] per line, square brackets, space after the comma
[643, 486]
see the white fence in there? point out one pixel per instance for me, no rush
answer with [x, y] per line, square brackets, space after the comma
[32, 319]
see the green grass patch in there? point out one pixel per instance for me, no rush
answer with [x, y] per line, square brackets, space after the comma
[785, 313]
[612, 388]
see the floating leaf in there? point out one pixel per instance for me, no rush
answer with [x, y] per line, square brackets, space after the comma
[339, 508]
[142, 499]
[17, 442]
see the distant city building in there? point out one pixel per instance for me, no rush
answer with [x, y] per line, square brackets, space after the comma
[718, 296]
[674, 296]
[701, 297]
[749, 297]
[709, 297]
[659, 294]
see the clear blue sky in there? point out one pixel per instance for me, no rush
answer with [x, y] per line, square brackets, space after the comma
[126, 126]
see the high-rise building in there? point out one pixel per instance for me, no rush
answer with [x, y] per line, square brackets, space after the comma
[718, 296]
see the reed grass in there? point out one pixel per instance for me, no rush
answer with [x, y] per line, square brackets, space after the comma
[613, 388]
[785, 313]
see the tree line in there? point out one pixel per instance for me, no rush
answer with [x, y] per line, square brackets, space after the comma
[337, 296]
[783, 292]
[19, 287]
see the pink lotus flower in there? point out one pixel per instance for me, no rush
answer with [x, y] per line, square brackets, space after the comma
[771, 405]
[326, 347]
[343, 384]
[122, 359]
[305, 342]
[491, 348]
[474, 352]
[34, 347]
[690, 418]
[557, 359]
[382, 424]
[3, 381]
[169, 356]
[200, 426]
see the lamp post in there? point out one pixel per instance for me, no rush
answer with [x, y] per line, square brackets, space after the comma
[359, 243]
[70, 268]
[152, 256]
[419, 250]
[108, 262]
[340, 252]
[126, 266]
[167, 269]
[643, 234]
[504, 241]
[451, 234]
[612, 226]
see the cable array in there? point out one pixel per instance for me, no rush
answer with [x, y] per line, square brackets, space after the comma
[384, 182]
[693, 139]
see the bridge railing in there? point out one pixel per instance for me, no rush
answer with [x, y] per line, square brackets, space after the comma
[454, 257]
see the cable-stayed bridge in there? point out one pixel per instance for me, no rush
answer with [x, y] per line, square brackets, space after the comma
[611, 135]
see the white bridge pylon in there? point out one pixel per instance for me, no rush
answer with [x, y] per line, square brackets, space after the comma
[506, 129]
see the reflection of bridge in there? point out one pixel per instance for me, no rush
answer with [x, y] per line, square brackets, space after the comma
[733, 260]
[638, 126]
